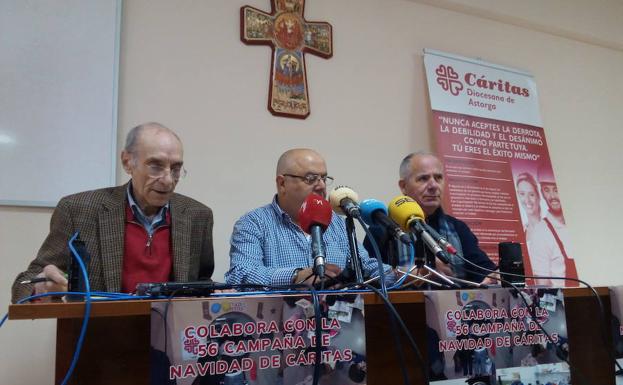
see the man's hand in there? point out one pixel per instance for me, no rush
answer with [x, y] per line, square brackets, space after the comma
[443, 268]
[306, 276]
[56, 281]
[491, 279]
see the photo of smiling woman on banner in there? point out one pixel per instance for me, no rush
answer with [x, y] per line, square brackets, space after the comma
[547, 235]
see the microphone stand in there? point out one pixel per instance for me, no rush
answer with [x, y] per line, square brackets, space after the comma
[354, 262]
[416, 278]
[442, 276]
[424, 258]
[419, 262]
[430, 264]
[454, 280]
[399, 250]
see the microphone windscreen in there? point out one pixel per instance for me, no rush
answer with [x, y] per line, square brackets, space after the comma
[339, 193]
[404, 209]
[315, 210]
[367, 207]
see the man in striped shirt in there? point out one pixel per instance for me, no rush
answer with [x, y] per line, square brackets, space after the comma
[269, 247]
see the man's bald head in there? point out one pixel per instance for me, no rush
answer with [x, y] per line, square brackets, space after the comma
[136, 133]
[153, 156]
[293, 167]
[291, 160]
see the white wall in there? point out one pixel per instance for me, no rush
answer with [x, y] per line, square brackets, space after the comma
[182, 63]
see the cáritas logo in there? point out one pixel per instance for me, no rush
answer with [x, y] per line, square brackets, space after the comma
[450, 81]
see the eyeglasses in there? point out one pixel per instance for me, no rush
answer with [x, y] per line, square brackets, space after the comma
[157, 171]
[312, 179]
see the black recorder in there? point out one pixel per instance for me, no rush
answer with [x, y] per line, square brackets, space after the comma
[76, 282]
[511, 262]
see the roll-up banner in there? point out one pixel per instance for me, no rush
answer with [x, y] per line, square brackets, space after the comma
[499, 176]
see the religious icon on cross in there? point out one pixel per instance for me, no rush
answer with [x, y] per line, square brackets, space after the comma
[290, 37]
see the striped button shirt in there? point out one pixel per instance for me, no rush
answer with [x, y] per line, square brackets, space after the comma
[267, 246]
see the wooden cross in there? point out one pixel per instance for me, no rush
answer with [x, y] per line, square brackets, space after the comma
[290, 36]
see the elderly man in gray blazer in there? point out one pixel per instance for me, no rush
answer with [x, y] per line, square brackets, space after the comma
[138, 232]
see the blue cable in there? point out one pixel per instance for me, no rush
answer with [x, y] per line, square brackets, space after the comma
[87, 309]
[377, 254]
[108, 297]
[26, 299]
[411, 263]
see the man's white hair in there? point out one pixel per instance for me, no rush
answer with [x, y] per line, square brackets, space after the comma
[405, 166]
[132, 138]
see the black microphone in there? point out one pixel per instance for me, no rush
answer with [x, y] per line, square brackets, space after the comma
[443, 242]
[374, 213]
[419, 226]
[345, 201]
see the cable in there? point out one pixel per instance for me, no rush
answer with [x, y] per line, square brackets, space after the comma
[291, 290]
[377, 254]
[532, 309]
[165, 319]
[314, 294]
[316, 304]
[108, 297]
[6, 316]
[74, 293]
[404, 277]
[383, 294]
[308, 277]
[396, 316]
[398, 348]
[602, 309]
[87, 309]
[317, 328]
[318, 334]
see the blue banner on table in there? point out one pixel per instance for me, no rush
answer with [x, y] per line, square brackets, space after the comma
[616, 301]
[252, 340]
[492, 337]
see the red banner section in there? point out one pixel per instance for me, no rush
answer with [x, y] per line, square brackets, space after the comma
[477, 158]
[499, 177]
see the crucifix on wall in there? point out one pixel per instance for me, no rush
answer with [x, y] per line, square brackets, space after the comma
[290, 36]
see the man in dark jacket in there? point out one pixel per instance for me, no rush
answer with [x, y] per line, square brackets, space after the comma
[422, 178]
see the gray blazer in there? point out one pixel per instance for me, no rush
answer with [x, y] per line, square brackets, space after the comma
[99, 215]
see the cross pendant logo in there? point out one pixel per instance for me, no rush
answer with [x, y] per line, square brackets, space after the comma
[290, 37]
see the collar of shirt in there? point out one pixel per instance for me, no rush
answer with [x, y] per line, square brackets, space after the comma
[285, 217]
[280, 213]
[433, 219]
[148, 223]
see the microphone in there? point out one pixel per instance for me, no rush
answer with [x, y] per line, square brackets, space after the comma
[443, 242]
[374, 213]
[345, 201]
[314, 218]
[408, 213]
